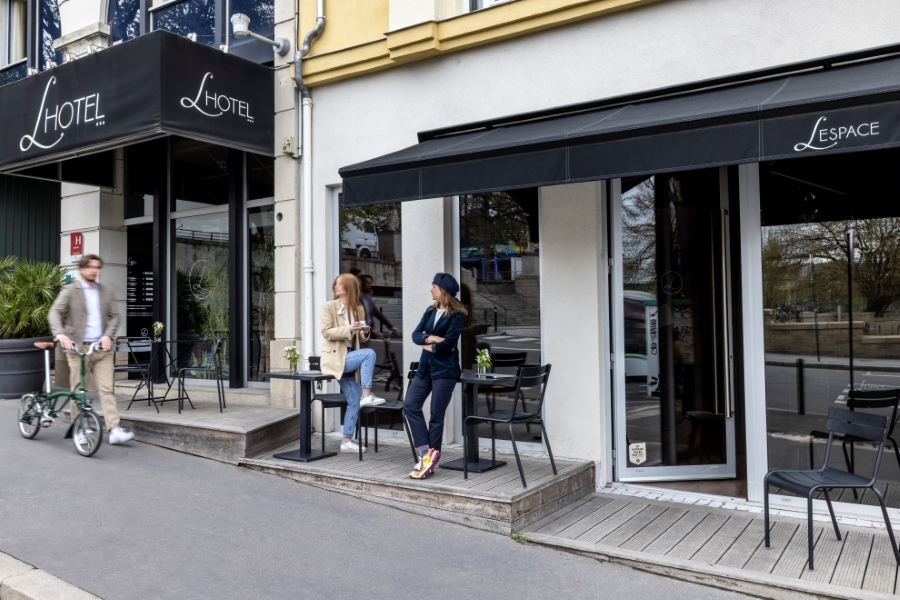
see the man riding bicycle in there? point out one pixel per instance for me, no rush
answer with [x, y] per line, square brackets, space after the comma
[92, 317]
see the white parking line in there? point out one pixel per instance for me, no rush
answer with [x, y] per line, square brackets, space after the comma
[496, 337]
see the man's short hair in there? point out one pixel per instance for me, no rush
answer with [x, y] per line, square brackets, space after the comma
[364, 276]
[86, 260]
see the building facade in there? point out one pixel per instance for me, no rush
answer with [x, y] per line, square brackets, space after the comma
[655, 197]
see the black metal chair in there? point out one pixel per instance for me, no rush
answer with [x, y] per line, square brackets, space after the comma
[140, 358]
[336, 400]
[502, 360]
[526, 377]
[866, 399]
[841, 422]
[215, 368]
[394, 407]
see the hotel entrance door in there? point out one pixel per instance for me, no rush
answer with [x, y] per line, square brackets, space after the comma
[674, 401]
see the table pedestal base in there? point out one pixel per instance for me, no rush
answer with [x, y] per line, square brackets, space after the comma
[482, 466]
[298, 456]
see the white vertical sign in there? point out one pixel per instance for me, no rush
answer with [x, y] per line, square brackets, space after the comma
[651, 321]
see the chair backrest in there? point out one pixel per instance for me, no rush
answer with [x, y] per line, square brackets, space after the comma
[886, 398]
[862, 426]
[508, 359]
[529, 377]
[413, 367]
[135, 345]
[217, 350]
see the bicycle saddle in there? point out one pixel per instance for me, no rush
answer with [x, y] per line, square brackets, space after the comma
[45, 345]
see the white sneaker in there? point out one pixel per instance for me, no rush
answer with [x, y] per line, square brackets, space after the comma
[350, 446]
[81, 439]
[117, 435]
[371, 400]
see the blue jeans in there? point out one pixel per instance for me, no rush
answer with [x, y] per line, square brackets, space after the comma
[364, 360]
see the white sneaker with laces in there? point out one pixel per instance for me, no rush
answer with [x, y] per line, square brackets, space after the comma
[350, 446]
[81, 439]
[371, 400]
[117, 435]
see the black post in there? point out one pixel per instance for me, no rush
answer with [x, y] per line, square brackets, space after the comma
[801, 390]
[237, 337]
[495, 318]
[850, 299]
[812, 275]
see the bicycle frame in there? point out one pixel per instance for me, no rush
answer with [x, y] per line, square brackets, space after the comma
[50, 398]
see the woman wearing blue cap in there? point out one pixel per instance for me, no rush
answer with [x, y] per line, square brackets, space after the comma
[438, 333]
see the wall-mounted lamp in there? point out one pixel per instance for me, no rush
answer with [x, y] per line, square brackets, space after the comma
[240, 26]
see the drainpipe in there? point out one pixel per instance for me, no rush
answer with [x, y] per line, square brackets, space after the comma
[304, 142]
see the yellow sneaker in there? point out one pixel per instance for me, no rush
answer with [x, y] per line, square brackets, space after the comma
[421, 466]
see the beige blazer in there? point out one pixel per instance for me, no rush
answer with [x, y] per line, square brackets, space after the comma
[336, 331]
[71, 302]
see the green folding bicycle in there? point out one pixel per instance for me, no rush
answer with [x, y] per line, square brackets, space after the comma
[38, 410]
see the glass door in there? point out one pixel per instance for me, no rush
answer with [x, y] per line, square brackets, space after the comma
[674, 400]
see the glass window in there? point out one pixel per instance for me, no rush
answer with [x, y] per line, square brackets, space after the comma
[16, 27]
[816, 352]
[124, 20]
[261, 288]
[199, 175]
[260, 177]
[371, 249]
[145, 169]
[500, 286]
[50, 30]
[201, 276]
[189, 16]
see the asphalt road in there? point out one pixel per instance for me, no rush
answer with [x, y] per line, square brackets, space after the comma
[142, 522]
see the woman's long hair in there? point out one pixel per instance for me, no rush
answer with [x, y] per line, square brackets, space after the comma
[449, 304]
[350, 284]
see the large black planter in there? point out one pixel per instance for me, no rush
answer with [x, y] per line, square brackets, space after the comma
[21, 367]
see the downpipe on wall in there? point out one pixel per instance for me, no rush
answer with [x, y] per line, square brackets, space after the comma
[303, 107]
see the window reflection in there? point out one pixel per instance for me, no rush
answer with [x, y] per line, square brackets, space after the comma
[50, 29]
[371, 249]
[501, 289]
[189, 16]
[809, 279]
[124, 20]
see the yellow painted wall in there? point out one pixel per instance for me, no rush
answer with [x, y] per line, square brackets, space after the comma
[348, 23]
[356, 42]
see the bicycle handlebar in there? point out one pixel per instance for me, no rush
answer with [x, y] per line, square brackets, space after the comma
[94, 346]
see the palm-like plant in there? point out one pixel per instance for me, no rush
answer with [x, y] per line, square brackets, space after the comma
[27, 290]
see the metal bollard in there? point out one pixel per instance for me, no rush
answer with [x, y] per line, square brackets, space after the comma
[801, 390]
[495, 318]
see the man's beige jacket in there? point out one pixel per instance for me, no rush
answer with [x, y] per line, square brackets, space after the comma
[71, 302]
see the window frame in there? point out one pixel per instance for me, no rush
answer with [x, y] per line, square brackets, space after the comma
[30, 26]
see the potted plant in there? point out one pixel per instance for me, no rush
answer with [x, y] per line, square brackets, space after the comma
[483, 359]
[158, 328]
[27, 290]
[292, 356]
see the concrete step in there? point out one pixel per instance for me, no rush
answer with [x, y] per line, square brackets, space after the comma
[197, 393]
[492, 501]
[227, 436]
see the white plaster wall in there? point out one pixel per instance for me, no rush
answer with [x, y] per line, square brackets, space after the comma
[573, 324]
[673, 41]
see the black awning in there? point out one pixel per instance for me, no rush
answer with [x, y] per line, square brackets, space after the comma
[839, 109]
[156, 84]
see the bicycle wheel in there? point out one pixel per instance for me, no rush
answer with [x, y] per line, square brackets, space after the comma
[88, 433]
[29, 416]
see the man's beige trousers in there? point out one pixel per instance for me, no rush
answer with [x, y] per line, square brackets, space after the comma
[100, 364]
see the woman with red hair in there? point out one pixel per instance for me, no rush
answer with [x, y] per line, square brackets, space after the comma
[342, 357]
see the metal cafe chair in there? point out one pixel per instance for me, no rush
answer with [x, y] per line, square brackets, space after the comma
[526, 377]
[866, 399]
[140, 357]
[841, 422]
[335, 400]
[394, 407]
[501, 359]
[215, 368]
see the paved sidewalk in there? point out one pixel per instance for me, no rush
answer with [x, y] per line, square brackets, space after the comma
[144, 522]
[724, 547]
